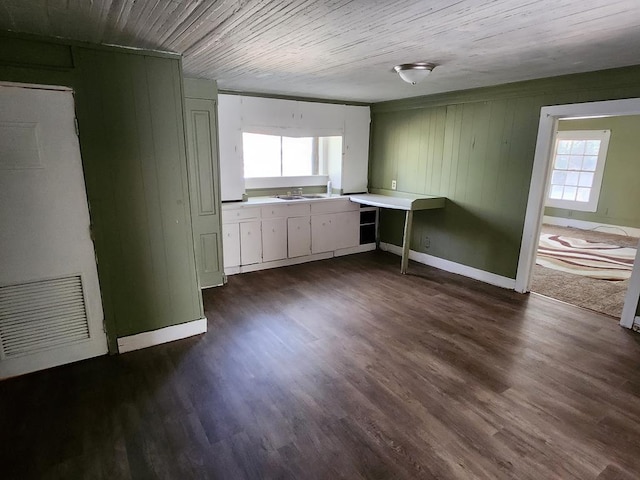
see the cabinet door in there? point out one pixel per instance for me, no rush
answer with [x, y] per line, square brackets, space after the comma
[316, 116]
[299, 235]
[274, 239]
[355, 163]
[268, 112]
[323, 233]
[203, 187]
[231, 160]
[250, 243]
[231, 244]
[347, 225]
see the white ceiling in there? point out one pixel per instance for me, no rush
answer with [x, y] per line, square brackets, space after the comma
[345, 49]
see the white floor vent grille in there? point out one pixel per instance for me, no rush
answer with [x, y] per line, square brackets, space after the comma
[40, 315]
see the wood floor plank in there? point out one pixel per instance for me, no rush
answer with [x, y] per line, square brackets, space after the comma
[344, 368]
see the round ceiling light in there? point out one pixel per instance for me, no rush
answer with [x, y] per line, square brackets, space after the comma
[414, 72]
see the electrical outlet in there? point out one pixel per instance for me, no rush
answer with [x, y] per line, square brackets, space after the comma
[393, 184]
[427, 242]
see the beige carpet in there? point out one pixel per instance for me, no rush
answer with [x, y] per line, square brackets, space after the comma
[600, 295]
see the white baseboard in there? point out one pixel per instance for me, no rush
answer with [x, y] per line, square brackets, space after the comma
[453, 267]
[297, 260]
[368, 247]
[584, 225]
[163, 335]
[277, 263]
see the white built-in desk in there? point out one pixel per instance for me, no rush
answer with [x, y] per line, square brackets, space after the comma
[406, 203]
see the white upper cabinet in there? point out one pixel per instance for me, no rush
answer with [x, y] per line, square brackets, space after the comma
[230, 145]
[295, 118]
[321, 119]
[268, 112]
[355, 159]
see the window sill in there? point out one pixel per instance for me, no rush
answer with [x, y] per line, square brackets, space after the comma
[570, 205]
[280, 182]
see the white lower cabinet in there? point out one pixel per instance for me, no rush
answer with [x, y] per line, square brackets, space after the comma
[323, 233]
[231, 244]
[347, 229]
[274, 239]
[299, 235]
[254, 235]
[333, 231]
[250, 243]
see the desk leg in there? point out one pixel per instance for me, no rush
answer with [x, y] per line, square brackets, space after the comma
[406, 242]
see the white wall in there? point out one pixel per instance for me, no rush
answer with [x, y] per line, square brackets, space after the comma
[237, 113]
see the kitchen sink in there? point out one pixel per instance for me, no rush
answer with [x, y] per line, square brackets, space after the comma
[290, 197]
[298, 197]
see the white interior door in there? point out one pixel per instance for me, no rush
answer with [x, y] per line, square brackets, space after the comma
[50, 304]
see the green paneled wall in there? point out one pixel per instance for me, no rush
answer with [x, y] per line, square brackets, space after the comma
[130, 113]
[619, 196]
[476, 148]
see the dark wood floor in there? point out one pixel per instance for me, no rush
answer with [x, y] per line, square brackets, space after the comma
[344, 369]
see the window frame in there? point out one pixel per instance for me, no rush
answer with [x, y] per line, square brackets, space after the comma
[291, 181]
[592, 204]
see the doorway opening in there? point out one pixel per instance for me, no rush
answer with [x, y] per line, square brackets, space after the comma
[565, 215]
[587, 243]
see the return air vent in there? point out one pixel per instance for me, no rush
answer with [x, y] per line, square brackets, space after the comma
[41, 315]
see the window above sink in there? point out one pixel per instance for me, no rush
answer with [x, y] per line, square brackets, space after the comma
[285, 160]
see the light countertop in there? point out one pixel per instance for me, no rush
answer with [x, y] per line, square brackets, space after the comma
[424, 202]
[259, 201]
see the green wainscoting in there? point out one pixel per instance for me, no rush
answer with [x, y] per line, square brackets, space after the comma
[476, 148]
[129, 106]
[619, 196]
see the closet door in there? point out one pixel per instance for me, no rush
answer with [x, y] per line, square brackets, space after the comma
[50, 303]
[203, 190]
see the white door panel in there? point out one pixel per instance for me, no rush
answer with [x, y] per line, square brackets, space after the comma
[250, 243]
[347, 229]
[323, 233]
[299, 236]
[274, 239]
[50, 304]
[231, 244]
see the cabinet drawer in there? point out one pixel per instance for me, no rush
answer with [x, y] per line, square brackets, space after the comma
[242, 213]
[334, 206]
[288, 210]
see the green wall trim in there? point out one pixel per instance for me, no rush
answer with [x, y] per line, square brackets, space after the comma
[5, 35]
[589, 84]
[32, 53]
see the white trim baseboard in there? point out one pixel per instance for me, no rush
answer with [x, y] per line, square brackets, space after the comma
[453, 267]
[367, 247]
[254, 267]
[162, 335]
[297, 260]
[584, 225]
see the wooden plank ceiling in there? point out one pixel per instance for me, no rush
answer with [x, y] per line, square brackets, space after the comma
[345, 49]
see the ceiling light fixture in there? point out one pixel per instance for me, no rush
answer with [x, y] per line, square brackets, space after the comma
[414, 72]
